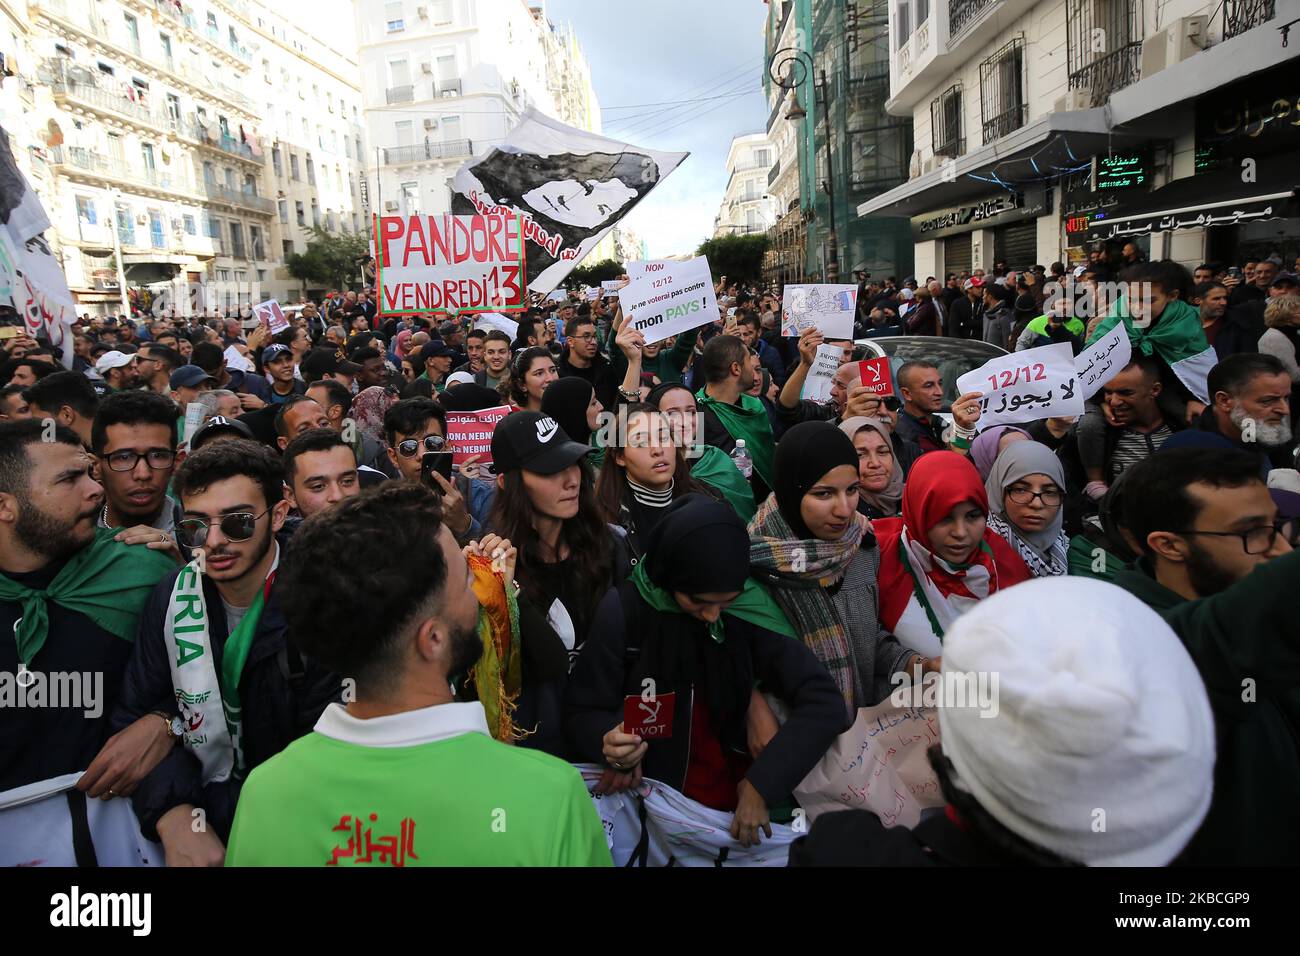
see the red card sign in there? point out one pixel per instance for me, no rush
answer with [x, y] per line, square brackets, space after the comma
[649, 719]
[470, 433]
[875, 376]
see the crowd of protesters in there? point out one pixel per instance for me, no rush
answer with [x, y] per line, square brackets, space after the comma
[307, 629]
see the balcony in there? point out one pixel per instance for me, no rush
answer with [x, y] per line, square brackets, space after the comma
[238, 197]
[223, 142]
[963, 13]
[87, 94]
[88, 162]
[1242, 15]
[774, 172]
[400, 94]
[426, 152]
[449, 88]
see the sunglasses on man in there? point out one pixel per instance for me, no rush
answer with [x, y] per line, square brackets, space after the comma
[411, 446]
[238, 526]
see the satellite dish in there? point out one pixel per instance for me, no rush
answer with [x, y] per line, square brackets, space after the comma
[80, 74]
[46, 75]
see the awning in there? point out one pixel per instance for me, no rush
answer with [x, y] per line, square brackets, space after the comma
[1216, 199]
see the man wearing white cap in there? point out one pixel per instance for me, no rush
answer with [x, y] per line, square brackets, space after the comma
[1098, 750]
[119, 370]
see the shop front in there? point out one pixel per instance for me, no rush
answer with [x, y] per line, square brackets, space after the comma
[978, 234]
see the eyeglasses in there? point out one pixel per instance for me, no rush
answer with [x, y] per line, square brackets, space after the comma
[1258, 540]
[590, 336]
[411, 447]
[236, 527]
[126, 460]
[1022, 496]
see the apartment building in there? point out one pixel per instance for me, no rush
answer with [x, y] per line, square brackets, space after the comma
[1043, 129]
[747, 207]
[147, 128]
[448, 79]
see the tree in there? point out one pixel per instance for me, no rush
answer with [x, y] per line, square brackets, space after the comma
[586, 276]
[739, 258]
[330, 259]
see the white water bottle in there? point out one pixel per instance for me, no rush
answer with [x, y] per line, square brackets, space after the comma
[740, 455]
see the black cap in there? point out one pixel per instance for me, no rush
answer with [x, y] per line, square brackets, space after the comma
[533, 442]
[217, 425]
[437, 349]
[321, 362]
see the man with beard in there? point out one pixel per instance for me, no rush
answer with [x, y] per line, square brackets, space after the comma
[1217, 567]
[70, 598]
[66, 397]
[134, 441]
[367, 765]
[731, 414]
[213, 640]
[1250, 405]
[119, 370]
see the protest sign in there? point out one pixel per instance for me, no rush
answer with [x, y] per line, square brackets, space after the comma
[592, 294]
[237, 360]
[449, 265]
[817, 386]
[878, 764]
[611, 287]
[193, 419]
[670, 298]
[271, 313]
[1103, 359]
[470, 433]
[828, 308]
[636, 270]
[571, 186]
[490, 320]
[1026, 386]
[876, 376]
[559, 295]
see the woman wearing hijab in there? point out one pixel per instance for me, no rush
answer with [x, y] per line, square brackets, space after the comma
[692, 624]
[1026, 491]
[880, 475]
[643, 474]
[572, 402]
[709, 464]
[818, 556]
[990, 443]
[940, 559]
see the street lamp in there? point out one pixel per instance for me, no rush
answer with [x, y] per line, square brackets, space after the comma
[789, 69]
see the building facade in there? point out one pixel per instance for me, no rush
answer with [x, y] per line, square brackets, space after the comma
[447, 79]
[747, 207]
[1044, 129]
[147, 128]
[828, 121]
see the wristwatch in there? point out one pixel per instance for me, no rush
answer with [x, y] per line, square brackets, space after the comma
[175, 726]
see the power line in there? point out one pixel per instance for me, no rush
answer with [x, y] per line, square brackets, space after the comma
[650, 117]
[733, 76]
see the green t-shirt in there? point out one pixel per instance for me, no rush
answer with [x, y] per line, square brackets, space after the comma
[466, 800]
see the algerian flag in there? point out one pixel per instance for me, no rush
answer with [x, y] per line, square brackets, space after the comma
[1176, 338]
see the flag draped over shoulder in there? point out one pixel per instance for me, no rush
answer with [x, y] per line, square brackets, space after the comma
[1176, 338]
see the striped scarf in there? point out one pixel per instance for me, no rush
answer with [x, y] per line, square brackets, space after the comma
[798, 571]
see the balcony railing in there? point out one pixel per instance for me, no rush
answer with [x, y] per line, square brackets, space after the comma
[90, 95]
[774, 172]
[108, 168]
[961, 14]
[1118, 62]
[239, 197]
[1241, 15]
[1107, 74]
[400, 94]
[397, 155]
[223, 141]
[449, 88]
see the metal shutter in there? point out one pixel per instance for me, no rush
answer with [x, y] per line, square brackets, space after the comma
[1017, 244]
[956, 254]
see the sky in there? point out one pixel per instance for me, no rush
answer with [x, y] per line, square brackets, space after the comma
[683, 50]
[647, 57]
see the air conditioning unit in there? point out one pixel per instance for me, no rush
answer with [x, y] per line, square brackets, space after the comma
[422, 12]
[426, 67]
[1181, 39]
[1073, 101]
[142, 220]
[390, 205]
[430, 123]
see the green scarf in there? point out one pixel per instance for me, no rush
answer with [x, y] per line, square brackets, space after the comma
[107, 581]
[755, 605]
[716, 470]
[749, 421]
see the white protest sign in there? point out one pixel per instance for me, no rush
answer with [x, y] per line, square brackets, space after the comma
[828, 308]
[238, 361]
[670, 298]
[490, 320]
[636, 270]
[817, 386]
[878, 764]
[271, 313]
[611, 287]
[193, 419]
[559, 295]
[1103, 359]
[1026, 386]
[592, 294]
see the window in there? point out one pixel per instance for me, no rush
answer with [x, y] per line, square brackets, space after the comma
[125, 225]
[329, 101]
[132, 32]
[146, 154]
[450, 128]
[329, 219]
[276, 162]
[356, 226]
[261, 275]
[115, 149]
[1102, 68]
[284, 211]
[174, 107]
[360, 157]
[86, 211]
[286, 247]
[237, 239]
[440, 12]
[298, 208]
[306, 133]
[320, 138]
[187, 223]
[105, 68]
[311, 172]
[156, 229]
[762, 157]
[166, 43]
[904, 23]
[212, 227]
[223, 275]
[212, 24]
[945, 123]
[293, 168]
[404, 132]
[1002, 91]
[266, 71]
[209, 174]
[410, 199]
[234, 40]
[393, 17]
[230, 179]
[315, 213]
[255, 243]
[338, 179]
